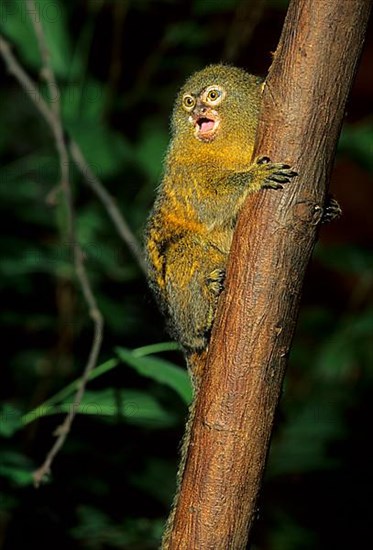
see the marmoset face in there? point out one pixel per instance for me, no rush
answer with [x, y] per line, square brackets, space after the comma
[203, 110]
[220, 102]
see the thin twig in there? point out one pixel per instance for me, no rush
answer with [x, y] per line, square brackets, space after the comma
[52, 117]
[90, 178]
[119, 222]
[47, 71]
[57, 130]
[25, 81]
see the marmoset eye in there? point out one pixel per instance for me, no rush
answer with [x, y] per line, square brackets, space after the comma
[213, 95]
[189, 102]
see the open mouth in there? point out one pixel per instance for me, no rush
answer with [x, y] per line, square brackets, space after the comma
[205, 128]
[205, 125]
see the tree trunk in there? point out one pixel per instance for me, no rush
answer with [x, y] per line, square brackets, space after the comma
[303, 108]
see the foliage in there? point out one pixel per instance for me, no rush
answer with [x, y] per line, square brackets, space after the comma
[117, 87]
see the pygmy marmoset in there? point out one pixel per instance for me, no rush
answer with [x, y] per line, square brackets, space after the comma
[208, 173]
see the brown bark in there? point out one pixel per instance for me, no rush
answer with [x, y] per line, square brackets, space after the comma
[303, 108]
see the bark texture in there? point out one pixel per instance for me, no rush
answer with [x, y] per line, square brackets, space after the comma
[303, 108]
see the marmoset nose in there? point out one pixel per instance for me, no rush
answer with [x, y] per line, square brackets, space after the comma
[200, 108]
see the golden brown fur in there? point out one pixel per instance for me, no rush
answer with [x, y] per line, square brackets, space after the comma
[190, 229]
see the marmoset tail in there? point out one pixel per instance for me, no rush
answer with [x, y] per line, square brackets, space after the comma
[208, 173]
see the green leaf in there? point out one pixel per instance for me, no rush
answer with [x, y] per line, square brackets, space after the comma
[161, 371]
[50, 405]
[156, 348]
[17, 476]
[16, 468]
[136, 407]
[70, 389]
[10, 420]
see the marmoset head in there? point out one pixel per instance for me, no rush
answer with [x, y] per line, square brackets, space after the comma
[217, 103]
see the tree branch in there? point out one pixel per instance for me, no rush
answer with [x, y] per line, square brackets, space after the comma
[303, 108]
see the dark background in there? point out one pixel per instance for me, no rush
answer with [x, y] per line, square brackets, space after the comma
[119, 65]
